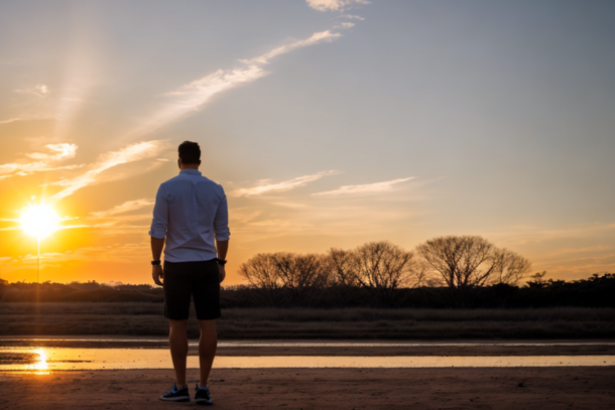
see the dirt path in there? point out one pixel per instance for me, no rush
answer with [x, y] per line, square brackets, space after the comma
[451, 389]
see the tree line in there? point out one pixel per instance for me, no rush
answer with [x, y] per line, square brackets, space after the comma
[460, 263]
[446, 272]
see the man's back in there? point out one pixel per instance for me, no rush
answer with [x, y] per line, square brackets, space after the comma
[191, 211]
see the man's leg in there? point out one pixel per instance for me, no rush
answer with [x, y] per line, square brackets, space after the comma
[207, 348]
[178, 341]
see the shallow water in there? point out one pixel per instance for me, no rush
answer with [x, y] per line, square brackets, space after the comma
[258, 343]
[53, 359]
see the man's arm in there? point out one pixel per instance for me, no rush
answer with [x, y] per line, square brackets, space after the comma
[222, 247]
[157, 246]
[158, 232]
[222, 233]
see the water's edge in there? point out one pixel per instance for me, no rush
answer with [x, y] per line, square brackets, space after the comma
[58, 359]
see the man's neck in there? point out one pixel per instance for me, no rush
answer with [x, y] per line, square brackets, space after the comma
[189, 167]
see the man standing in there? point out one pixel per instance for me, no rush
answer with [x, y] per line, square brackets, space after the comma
[191, 212]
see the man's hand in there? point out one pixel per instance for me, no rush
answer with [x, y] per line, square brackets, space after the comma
[222, 272]
[157, 274]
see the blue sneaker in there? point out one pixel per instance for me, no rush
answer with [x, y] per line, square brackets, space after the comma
[175, 394]
[202, 396]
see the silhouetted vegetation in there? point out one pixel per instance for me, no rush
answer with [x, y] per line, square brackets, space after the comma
[77, 292]
[467, 263]
[595, 291]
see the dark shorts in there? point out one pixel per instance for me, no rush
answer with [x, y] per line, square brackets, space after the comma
[199, 280]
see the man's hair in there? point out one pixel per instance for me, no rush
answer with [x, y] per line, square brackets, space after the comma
[189, 152]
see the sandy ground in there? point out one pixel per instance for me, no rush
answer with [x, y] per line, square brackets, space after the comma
[451, 389]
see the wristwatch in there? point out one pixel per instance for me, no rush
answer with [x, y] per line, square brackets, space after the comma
[221, 262]
[156, 263]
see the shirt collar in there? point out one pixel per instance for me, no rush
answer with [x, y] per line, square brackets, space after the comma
[190, 171]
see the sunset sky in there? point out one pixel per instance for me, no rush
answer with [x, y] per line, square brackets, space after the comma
[330, 123]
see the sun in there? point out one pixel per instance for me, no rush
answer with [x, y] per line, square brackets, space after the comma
[39, 221]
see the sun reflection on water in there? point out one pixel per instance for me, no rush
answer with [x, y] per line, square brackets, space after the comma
[40, 367]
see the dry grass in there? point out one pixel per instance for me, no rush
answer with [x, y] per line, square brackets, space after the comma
[135, 318]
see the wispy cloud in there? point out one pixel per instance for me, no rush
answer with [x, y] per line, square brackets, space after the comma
[58, 152]
[345, 24]
[322, 36]
[27, 118]
[10, 120]
[39, 90]
[241, 216]
[268, 187]
[43, 161]
[127, 206]
[130, 153]
[366, 189]
[352, 17]
[334, 5]
[190, 97]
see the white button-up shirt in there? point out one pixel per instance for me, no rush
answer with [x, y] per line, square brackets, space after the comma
[191, 211]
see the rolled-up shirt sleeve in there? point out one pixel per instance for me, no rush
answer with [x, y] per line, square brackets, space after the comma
[161, 215]
[221, 228]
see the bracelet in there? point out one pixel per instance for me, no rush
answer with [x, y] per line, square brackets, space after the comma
[221, 262]
[156, 263]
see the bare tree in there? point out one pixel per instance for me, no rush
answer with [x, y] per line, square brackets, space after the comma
[341, 266]
[343, 280]
[299, 274]
[262, 273]
[466, 262]
[312, 271]
[382, 267]
[509, 267]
